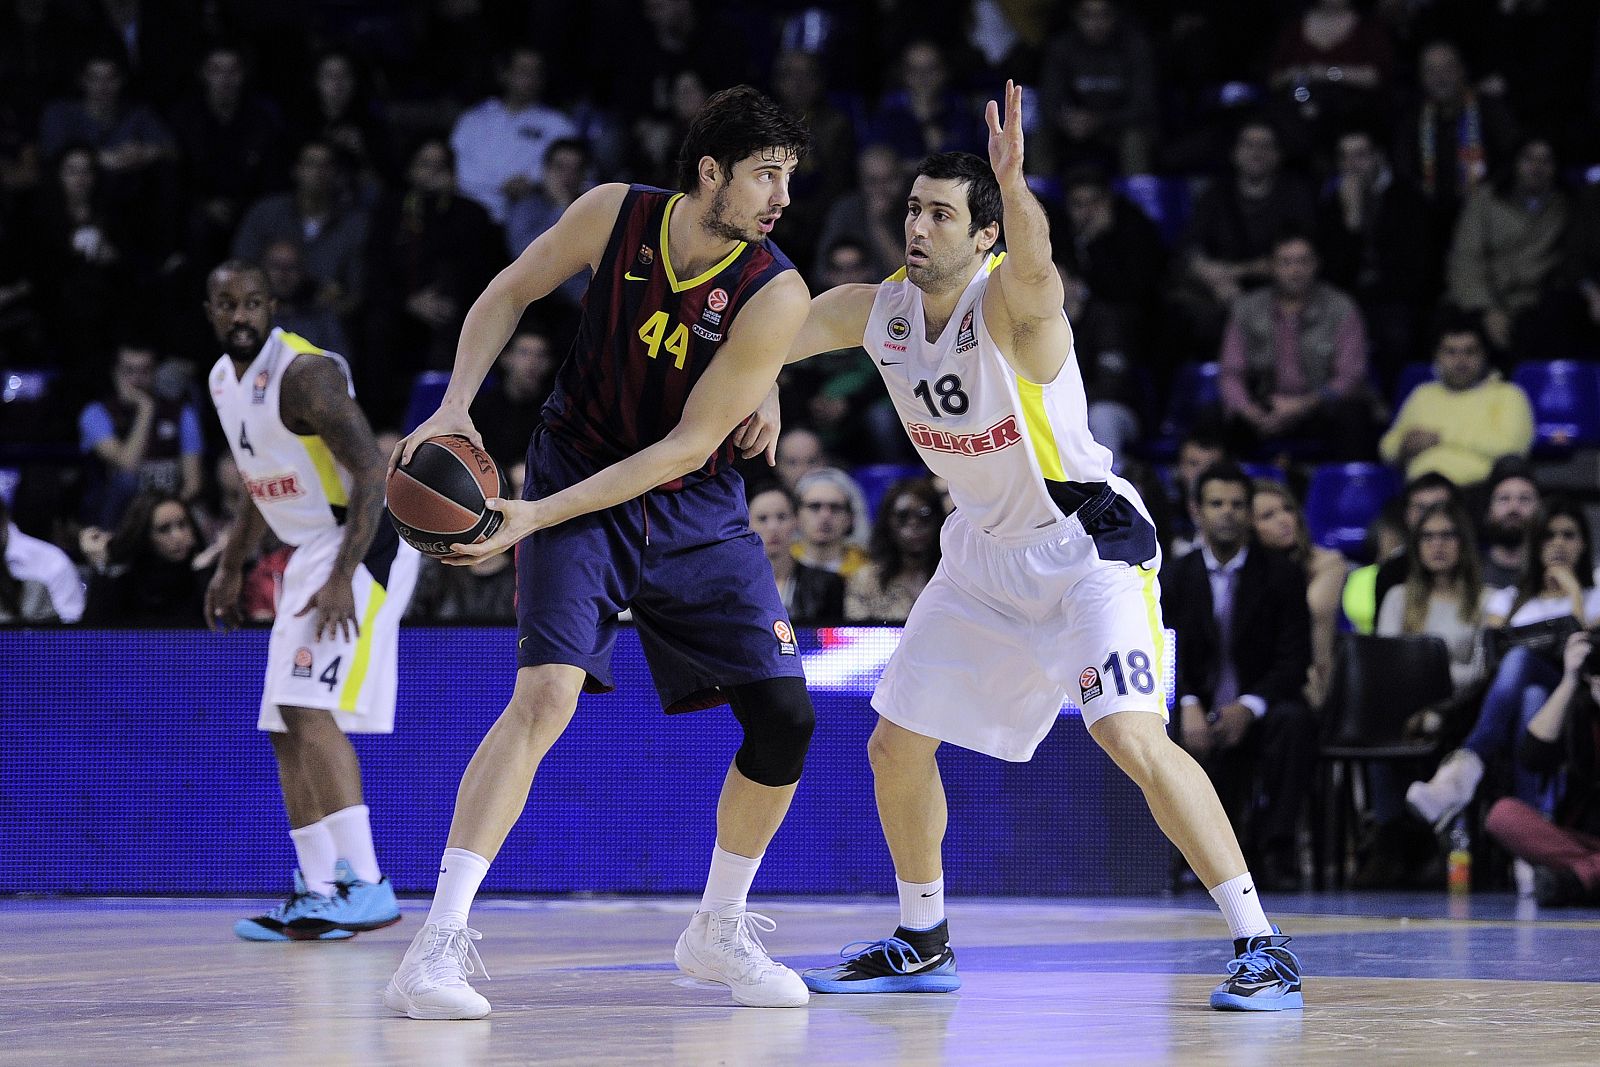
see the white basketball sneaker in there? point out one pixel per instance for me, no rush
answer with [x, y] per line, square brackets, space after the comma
[432, 980]
[722, 946]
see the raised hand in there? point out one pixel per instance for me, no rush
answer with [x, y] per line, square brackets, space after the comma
[1005, 142]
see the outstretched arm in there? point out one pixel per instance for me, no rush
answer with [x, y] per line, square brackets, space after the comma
[730, 389]
[1024, 292]
[837, 319]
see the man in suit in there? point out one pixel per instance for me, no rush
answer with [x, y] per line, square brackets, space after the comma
[1244, 644]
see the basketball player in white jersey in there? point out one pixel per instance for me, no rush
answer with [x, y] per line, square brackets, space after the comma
[315, 476]
[1047, 587]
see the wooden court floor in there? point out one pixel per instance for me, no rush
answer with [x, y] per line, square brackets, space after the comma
[1391, 979]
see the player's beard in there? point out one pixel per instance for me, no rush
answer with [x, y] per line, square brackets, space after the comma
[243, 351]
[719, 222]
[938, 273]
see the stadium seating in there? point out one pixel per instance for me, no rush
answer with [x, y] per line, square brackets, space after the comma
[1343, 499]
[876, 478]
[26, 403]
[1167, 200]
[1270, 471]
[1565, 395]
[1195, 388]
[1411, 375]
[1363, 720]
[427, 391]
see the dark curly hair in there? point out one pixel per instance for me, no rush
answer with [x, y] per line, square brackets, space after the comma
[734, 124]
[983, 189]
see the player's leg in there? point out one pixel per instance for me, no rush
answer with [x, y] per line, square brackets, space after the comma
[930, 692]
[917, 957]
[341, 683]
[431, 982]
[1265, 976]
[1111, 653]
[719, 944]
[494, 789]
[316, 854]
[327, 771]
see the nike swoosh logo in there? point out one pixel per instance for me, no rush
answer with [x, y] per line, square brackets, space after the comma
[630, 276]
[932, 894]
[1247, 892]
[913, 968]
[890, 363]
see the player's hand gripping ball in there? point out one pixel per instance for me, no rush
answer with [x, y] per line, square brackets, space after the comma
[437, 499]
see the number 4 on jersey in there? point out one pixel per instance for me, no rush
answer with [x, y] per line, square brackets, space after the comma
[244, 441]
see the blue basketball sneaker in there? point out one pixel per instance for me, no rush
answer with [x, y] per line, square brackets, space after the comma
[1264, 976]
[912, 961]
[357, 906]
[277, 924]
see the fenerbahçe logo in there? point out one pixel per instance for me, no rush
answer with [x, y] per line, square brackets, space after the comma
[785, 635]
[899, 328]
[646, 255]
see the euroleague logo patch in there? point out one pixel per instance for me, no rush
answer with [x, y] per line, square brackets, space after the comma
[899, 328]
[302, 663]
[785, 635]
[1089, 685]
[717, 300]
[966, 337]
[258, 391]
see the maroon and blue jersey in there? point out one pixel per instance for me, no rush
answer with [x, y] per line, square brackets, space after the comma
[647, 336]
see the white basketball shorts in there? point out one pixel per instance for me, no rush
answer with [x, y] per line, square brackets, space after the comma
[354, 678]
[1006, 633]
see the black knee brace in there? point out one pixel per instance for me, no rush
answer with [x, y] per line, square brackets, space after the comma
[778, 719]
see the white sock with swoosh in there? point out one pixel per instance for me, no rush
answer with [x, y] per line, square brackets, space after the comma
[1241, 906]
[921, 903]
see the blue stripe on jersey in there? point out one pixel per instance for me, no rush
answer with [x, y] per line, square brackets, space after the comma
[643, 344]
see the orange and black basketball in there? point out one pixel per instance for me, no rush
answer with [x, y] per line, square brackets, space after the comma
[437, 499]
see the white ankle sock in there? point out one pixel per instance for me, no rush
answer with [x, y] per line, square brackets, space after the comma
[315, 853]
[921, 903]
[352, 836]
[728, 883]
[460, 874]
[1241, 906]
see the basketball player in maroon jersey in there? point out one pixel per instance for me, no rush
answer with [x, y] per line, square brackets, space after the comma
[632, 501]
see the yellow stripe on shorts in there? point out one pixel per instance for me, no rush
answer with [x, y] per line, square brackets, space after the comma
[1158, 633]
[358, 665]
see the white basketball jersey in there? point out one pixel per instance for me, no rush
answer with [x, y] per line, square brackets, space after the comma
[1018, 456]
[294, 480]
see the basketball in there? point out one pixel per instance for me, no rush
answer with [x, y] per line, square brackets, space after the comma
[437, 499]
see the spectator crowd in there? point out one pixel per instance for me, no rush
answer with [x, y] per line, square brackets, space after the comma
[1291, 236]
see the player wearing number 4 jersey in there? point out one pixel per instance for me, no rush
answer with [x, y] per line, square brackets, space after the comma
[1047, 588]
[314, 474]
